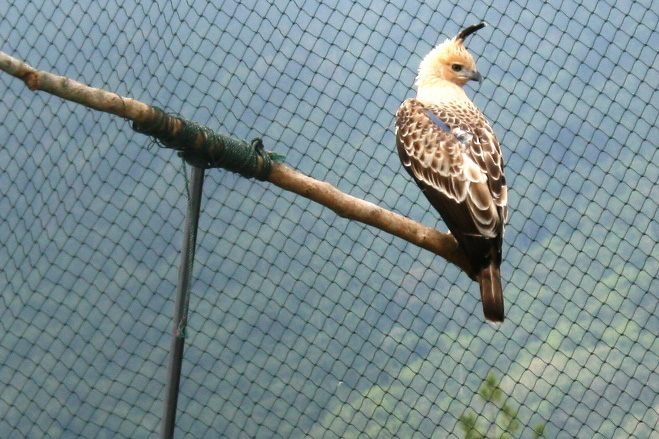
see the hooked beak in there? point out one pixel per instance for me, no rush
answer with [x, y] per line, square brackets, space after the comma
[475, 76]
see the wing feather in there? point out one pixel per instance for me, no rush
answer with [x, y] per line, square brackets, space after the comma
[454, 157]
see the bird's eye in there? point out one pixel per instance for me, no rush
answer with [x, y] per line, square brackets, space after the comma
[456, 67]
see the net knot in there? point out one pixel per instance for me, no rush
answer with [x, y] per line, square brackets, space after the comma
[202, 147]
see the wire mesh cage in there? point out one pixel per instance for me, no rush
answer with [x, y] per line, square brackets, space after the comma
[303, 323]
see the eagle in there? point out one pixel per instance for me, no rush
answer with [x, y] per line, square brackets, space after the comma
[448, 147]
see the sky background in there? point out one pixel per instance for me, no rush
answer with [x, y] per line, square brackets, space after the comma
[302, 323]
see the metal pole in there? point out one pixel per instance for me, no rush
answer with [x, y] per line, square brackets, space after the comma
[181, 307]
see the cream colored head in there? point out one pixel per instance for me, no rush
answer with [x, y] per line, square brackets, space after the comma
[450, 62]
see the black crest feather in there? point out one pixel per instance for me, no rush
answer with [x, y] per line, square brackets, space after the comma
[464, 33]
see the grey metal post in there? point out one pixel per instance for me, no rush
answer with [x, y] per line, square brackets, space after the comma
[181, 306]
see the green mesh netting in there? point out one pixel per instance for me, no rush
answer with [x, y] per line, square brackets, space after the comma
[304, 324]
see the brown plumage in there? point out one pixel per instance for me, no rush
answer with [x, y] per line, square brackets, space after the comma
[450, 150]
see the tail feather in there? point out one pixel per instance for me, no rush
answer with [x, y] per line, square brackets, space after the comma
[489, 280]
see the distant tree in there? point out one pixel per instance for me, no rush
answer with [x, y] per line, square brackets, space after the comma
[500, 417]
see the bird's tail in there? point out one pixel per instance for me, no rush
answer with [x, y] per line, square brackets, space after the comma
[491, 293]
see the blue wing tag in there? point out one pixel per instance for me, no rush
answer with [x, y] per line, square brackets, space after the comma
[437, 121]
[442, 126]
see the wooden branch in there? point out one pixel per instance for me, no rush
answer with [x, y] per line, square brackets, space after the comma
[347, 206]
[342, 204]
[67, 88]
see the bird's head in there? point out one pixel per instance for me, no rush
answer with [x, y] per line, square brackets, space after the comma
[450, 62]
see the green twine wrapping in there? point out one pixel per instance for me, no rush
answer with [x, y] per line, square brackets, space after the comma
[204, 148]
